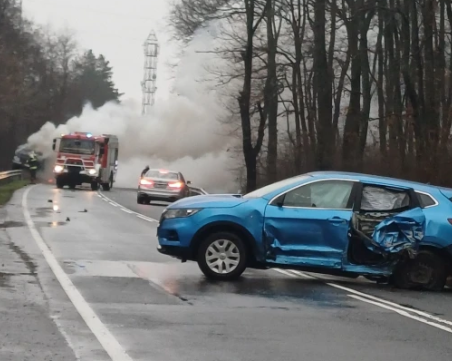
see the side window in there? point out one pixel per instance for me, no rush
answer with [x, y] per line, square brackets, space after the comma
[181, 177]
[425, 200]
[322, 194]
[384, 199]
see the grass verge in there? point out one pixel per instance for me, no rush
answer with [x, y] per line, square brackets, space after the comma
[7, 190]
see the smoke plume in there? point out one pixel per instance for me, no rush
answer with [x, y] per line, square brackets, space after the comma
[181, 133]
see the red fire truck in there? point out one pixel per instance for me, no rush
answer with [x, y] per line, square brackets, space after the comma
[86, 158]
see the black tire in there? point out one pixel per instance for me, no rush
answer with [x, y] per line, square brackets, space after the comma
[72, 185]
[106, 186]
[242, 252]
[59, 184]
[94, 186]
[141, 200]
[428, 271]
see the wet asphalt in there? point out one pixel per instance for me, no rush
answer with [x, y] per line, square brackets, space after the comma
[160, 309]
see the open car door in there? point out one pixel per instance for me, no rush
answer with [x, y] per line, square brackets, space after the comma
[386, 222]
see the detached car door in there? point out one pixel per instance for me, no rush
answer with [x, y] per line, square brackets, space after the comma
[308, 225]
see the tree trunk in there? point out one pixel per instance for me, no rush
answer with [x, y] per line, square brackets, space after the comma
[323, 92]
[271, 95]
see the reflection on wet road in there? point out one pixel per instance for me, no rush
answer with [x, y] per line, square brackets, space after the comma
[160, 309]
[189, 285]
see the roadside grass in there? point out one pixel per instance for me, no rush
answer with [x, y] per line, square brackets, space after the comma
[7, 190]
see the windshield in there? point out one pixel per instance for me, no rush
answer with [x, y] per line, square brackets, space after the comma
[77, 146]
[162, 175]
[258, 193]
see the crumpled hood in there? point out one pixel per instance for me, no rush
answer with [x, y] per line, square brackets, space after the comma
[401, 232]
[209, 201]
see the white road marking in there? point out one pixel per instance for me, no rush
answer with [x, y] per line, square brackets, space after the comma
[304, 275]
[103, 335]
[403, 313]
[375, 300]
[127, 210]
[146, 218]
[392, 304]
[284, 272]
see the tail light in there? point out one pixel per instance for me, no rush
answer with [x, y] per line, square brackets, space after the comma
[146, 182]
[175, 185]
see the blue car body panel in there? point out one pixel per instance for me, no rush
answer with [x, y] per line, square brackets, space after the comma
[314, 237]
[302, 236]
[404, 231]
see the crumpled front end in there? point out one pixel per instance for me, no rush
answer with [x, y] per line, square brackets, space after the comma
[402, 232]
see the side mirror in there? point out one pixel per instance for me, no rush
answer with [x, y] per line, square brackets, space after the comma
[101, 151]
[188, 182]
[54, 144]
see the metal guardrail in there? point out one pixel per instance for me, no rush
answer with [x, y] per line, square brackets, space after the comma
[9, 176]
[195, 191]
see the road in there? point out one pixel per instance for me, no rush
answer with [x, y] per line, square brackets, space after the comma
[105, 293]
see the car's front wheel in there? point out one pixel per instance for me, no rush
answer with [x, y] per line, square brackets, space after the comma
[222, 256]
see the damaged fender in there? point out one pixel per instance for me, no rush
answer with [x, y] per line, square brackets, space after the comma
[399, 233]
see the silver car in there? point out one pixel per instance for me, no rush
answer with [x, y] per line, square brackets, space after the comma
[162, 185]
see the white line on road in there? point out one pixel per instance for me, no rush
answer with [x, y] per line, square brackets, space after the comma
[392, 304]
[284, 272]
[103, 335]
[146, 218]
[139, 215]
[403, 313]
[376, 300]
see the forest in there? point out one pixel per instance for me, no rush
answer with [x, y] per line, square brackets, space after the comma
[44, 76]
[352, 85]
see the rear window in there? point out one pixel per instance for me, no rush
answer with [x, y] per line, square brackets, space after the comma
[425, 200]
[162, 175]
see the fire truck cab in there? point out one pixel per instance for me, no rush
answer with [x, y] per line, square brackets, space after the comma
[85, 158]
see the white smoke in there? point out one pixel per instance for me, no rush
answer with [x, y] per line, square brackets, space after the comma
[181, 133]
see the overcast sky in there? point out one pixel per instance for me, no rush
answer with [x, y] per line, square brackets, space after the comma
[115, 28]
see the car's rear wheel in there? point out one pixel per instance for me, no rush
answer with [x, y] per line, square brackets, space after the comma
[141, 200]
[428, 271]
[222, 256]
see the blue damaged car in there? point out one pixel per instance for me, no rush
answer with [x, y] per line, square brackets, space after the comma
[335, 223]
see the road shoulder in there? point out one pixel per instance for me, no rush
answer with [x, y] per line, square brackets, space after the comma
[38, 320]
[28, 330]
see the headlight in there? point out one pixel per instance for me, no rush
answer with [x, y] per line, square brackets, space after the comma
[58, 169]
[179, 213]
[92, 171]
